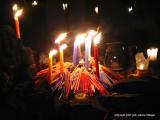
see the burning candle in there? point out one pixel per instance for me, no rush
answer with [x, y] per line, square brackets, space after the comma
[17, 14]
[62, 47]
[88, 43]
[51, 54]
[152, 54]
[96, 41]
[77, 48]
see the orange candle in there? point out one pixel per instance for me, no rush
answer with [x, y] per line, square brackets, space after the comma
[17, 13]
[52, 52]
[61, 62]
[62, 47]
[17, 27]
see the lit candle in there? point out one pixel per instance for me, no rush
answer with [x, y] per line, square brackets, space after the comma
[88, 43]
[152, 54]
[62, 47]
[77, 48]
[51, 54]
[96, 41]
[17, 14]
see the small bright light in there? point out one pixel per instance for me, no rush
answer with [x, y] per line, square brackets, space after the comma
[152, 53]
[62, 47]
[34, 3]
[114, 57]
[96, 10]
[61, 37]
[97, 38]
[18, 13]
[15, 7]
[130, 9]
[80, 38]
[53, 52]
[92, 33]
[64, 5]
[141, 67]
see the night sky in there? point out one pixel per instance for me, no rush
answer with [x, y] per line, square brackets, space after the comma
[41, 24]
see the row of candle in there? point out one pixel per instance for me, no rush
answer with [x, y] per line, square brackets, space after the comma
[81, 38]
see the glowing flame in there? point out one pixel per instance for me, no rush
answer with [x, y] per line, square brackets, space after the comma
[34, 3]
[130, 9]
[64, 46]
[141, 67]
[53, 52]
[15, 7]
[92, 33]
[97, 38]
[152, 53]
[80, 38]
[96, 10]
[64, 5]
[61, 37]
[18, 13]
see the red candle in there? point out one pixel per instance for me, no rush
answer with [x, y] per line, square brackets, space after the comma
[96, 41]
[96, 60]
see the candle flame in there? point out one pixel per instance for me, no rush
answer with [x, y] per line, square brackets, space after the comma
[53, 52]
[15, 7]
[130, 9]
[92, 33]
[80, 38]
[96, 10]
[152, 52]
[141, 67]
[62, 47]
[97, 38]
[64, 5]
[61, 37]
[18, 13]
[34, 3]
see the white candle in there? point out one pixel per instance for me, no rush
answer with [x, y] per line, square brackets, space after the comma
[88, 43]
[152, 54]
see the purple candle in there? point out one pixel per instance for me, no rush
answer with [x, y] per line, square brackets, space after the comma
[77, 49]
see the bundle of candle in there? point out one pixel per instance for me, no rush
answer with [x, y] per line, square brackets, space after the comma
[82, 76]
[78, 79]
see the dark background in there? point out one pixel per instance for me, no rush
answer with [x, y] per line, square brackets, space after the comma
[41, 24]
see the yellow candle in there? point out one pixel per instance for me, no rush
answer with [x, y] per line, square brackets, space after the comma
[51, 54]
[152, 54]
[62, 47]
